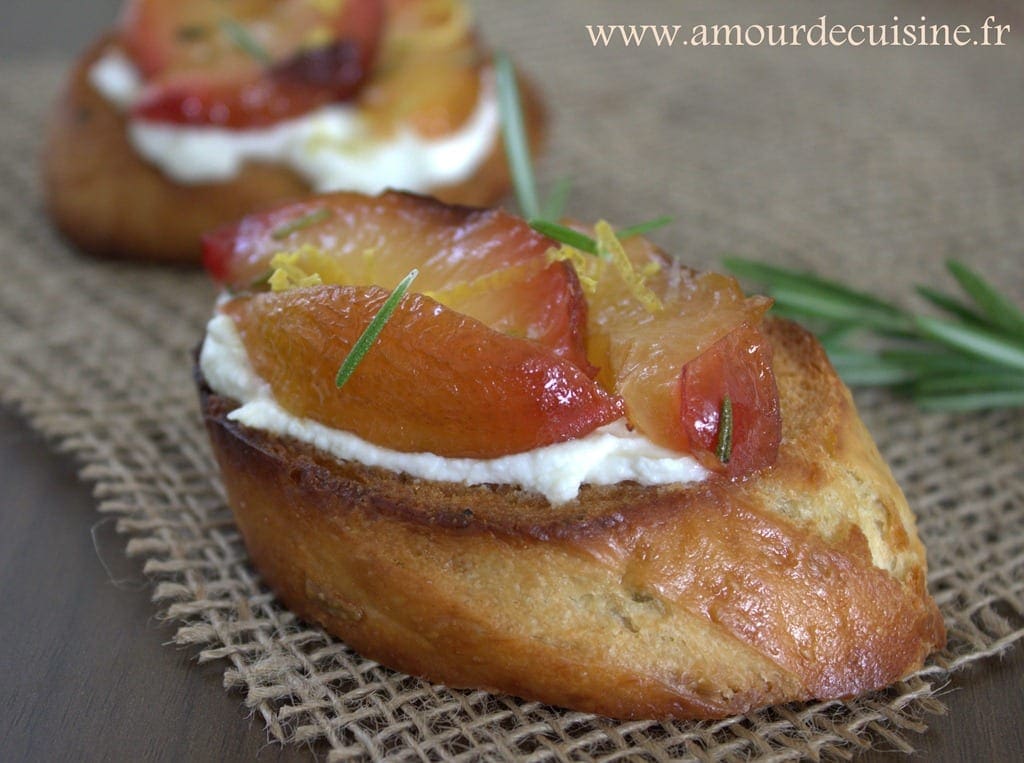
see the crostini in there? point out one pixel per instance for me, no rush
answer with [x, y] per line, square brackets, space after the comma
[606, 482]
[193, 113]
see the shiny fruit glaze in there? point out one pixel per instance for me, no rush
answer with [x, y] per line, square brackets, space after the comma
[674, 367]
[483, 263]
[738, 365]
[436, 381]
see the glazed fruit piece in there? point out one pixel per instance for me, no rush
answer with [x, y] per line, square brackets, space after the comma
[676, 344]
[487, 358]
[739, 366]
[247, 63]
[484, 263]
[435, 382]
[429, 72]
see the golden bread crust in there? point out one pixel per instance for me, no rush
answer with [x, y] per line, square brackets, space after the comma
[110, 202]
[806, 580]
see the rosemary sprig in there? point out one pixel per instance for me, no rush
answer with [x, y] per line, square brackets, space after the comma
[950, 305]
[583, 242]
[372, 330]
[542, 217]
[973, 359]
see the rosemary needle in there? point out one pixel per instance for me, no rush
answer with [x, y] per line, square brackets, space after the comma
[642, 229]
[999, 310]
[306, 221]
[513, 129]
[565, 235]
[724, 449]
[373, 329]
[583, 242]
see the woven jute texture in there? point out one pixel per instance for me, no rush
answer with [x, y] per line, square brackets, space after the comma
[873, 165]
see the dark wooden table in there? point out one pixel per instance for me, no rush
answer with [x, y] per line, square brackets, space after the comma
[88, 673]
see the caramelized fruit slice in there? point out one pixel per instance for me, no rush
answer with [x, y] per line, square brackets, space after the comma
[483, 263]
[738, 365]
[429, 70]
[433, 94]
[673, 367]
[247, 63]
[435, 381]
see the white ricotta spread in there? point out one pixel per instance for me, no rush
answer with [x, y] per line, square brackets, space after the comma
[332, 148]
[609, 455]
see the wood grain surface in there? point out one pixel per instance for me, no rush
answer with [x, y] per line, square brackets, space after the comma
[88, 673]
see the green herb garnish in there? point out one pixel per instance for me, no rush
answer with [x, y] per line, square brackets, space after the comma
[300, 223]
[585, 243]
[373, 329]
[565, 235]
[244, 41]
[997, 309]
[723, 451]
[641, 229]
[971, 360]
[554, 208]
[513, 131]
[543, 219]
[968, 362]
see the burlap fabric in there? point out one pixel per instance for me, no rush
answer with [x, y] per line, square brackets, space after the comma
[872, 165]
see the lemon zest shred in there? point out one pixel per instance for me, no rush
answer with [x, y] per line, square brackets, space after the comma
[286, 278]
[306, 266]
[610, 248]
[496, 279]
[588, 268]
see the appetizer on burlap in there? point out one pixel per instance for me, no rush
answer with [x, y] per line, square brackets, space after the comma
[193, 113]
[604, 481]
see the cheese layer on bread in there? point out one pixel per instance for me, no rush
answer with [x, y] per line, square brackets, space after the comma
[607, 456]
[332, 148]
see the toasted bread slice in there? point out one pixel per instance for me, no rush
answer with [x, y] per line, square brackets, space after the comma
[806, 580]
[109, 201]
